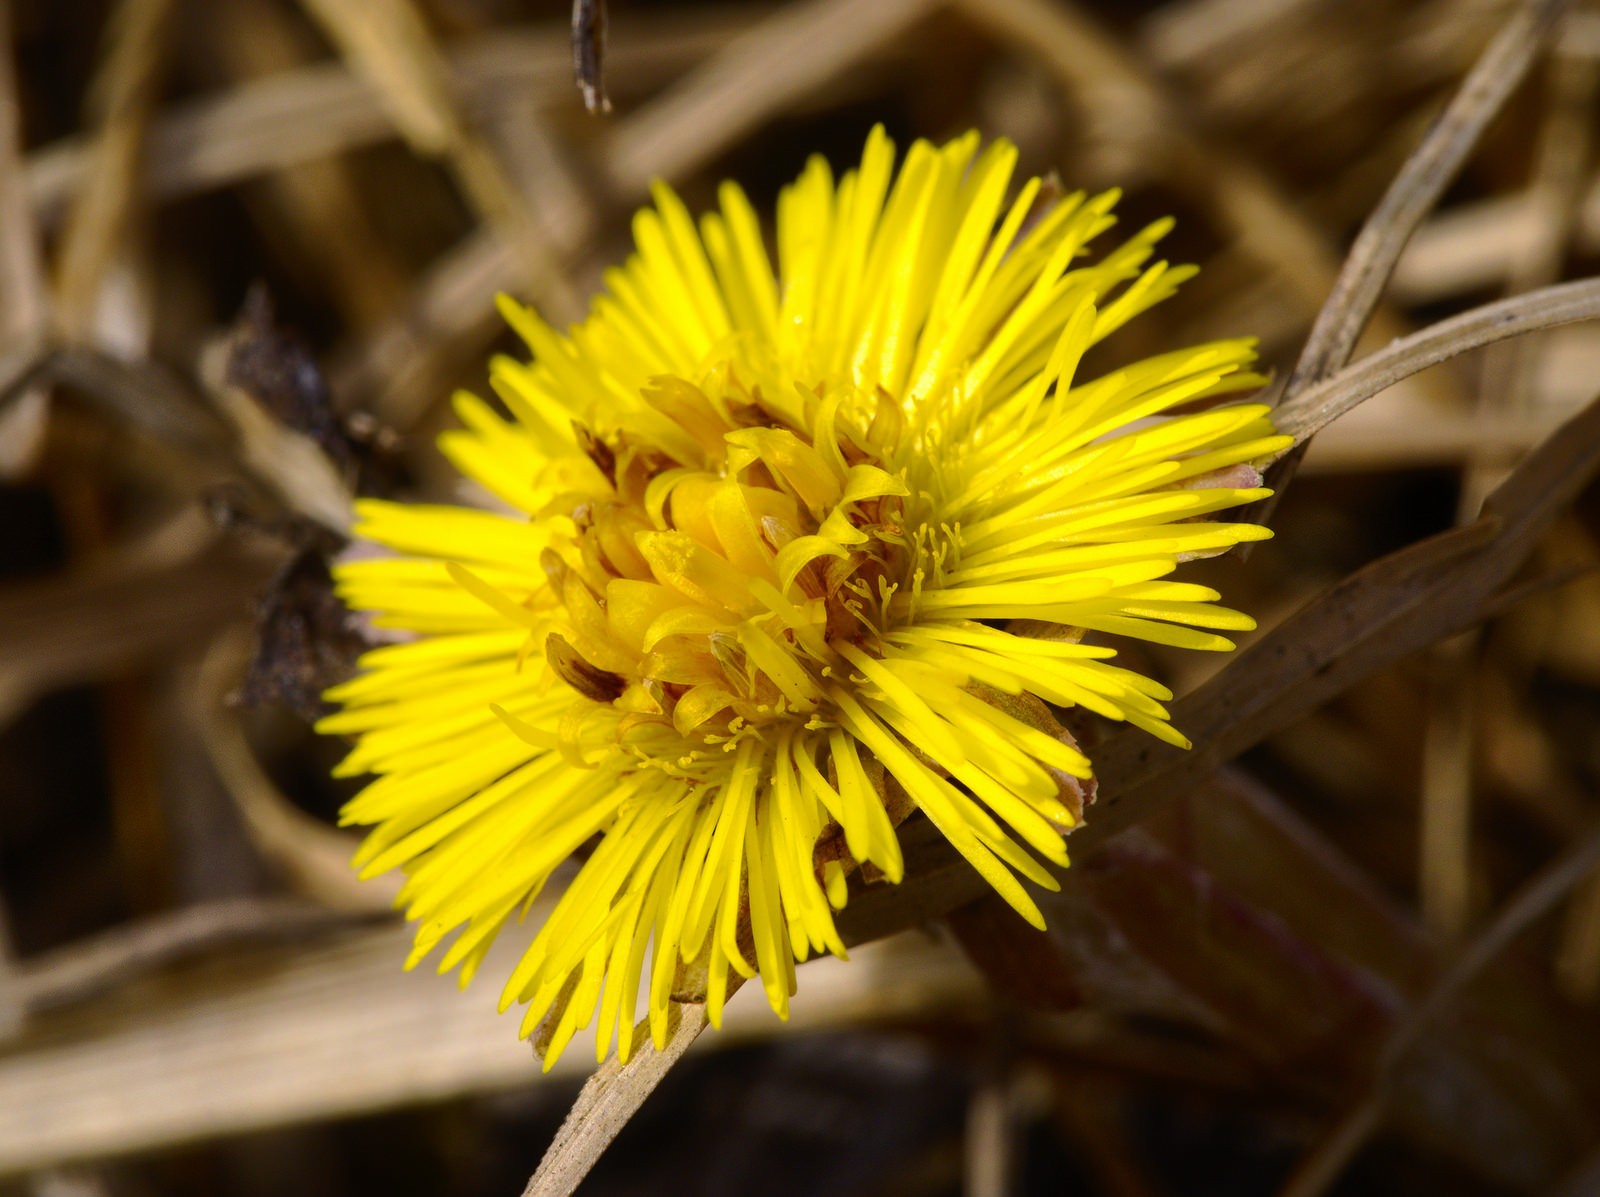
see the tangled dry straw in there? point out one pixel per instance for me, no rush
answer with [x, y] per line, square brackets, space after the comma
[1412, 715]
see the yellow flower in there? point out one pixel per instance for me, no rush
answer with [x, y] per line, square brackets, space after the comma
[751, 594]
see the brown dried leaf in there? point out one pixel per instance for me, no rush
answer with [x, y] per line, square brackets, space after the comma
[276, 369]
[306, 639]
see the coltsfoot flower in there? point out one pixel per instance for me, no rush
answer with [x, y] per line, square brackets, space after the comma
[781, 557]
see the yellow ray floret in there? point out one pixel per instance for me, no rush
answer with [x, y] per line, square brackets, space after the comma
[783, 557]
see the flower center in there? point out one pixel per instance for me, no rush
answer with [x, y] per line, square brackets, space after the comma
[733, 543]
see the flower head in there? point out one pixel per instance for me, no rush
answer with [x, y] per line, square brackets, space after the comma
[783, 556]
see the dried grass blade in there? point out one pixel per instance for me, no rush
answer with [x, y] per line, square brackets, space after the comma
[1311, 410]
[609, 1099]
[88, 967]
[294, 116]
[754, 76]
[1317, 1172]
[126, 91]
[80, 627]
[24, 302]
[389, 42]
[1412, 195]
[1418, 187]
[311, 856]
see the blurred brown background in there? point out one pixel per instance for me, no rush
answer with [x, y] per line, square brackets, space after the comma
[195, 995]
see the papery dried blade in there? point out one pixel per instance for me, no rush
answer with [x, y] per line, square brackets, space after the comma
[1418, 186]
[390, 42]
[1312, 409]
[24, 287]
[1412, 194]
[609, 1099]
[99, 223]
[133, 612]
